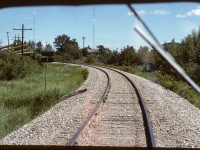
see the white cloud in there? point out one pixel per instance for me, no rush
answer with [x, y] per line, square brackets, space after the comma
[193, 12]
[161, 12]
[155, 12]
[140, 12]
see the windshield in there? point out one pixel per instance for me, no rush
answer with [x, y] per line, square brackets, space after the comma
[35, 42]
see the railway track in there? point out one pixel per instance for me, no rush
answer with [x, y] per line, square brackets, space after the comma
[122, 121]
[119, 121]
[84, 119]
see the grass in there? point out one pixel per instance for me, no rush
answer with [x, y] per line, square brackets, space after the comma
[167, 81]
[22, 100]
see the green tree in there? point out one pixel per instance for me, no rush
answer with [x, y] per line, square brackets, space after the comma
[143, 55]
[104, 54]
[102, 49]
[128, 56]
[31, 45]
[84, 52]
[48, 47]
[186, 54]
[114, 58]
[165, 68]
[189, 54]
[67, 47]
[39, 47]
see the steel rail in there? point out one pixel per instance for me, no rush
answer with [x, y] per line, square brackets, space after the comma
[150, 140]
[147, 123]
[80, 129]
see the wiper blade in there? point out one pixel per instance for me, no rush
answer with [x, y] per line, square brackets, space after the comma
[155, 45]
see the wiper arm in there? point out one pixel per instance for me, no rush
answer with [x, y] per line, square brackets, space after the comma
[161, 51]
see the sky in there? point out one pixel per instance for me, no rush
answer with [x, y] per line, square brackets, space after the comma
[112, 25]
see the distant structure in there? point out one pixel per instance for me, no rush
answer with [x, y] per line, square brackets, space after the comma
[92, 51]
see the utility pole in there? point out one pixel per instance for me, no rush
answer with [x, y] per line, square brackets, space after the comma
[83, 42]
[22, 29]
[8, 39]
[93, 25]
[16, 39]
[34, 31]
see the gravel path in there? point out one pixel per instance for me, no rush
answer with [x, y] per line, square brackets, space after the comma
[119, 121]
[58, 124]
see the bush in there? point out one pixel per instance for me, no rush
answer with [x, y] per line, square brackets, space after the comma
[90, 59]
[179, 87]
[13, 66]
[57, 58]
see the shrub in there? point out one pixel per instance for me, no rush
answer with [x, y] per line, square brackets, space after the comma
[13, 66]
[90, 60]
[57, 58]
[179, 87]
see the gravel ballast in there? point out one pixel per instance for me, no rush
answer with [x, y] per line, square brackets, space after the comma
[175, 122]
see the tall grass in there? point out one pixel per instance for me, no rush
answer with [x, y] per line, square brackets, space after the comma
[22, 100]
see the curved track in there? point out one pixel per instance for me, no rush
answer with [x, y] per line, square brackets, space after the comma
[91, 114]
[147, 123]
[122, 121]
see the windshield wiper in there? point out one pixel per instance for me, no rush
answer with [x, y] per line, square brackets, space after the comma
[158, 47]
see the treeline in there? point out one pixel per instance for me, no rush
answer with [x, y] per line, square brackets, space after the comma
[68, 50]
[186, 53]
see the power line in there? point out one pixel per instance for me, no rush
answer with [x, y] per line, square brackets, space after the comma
[22, 29]
[16, 39]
